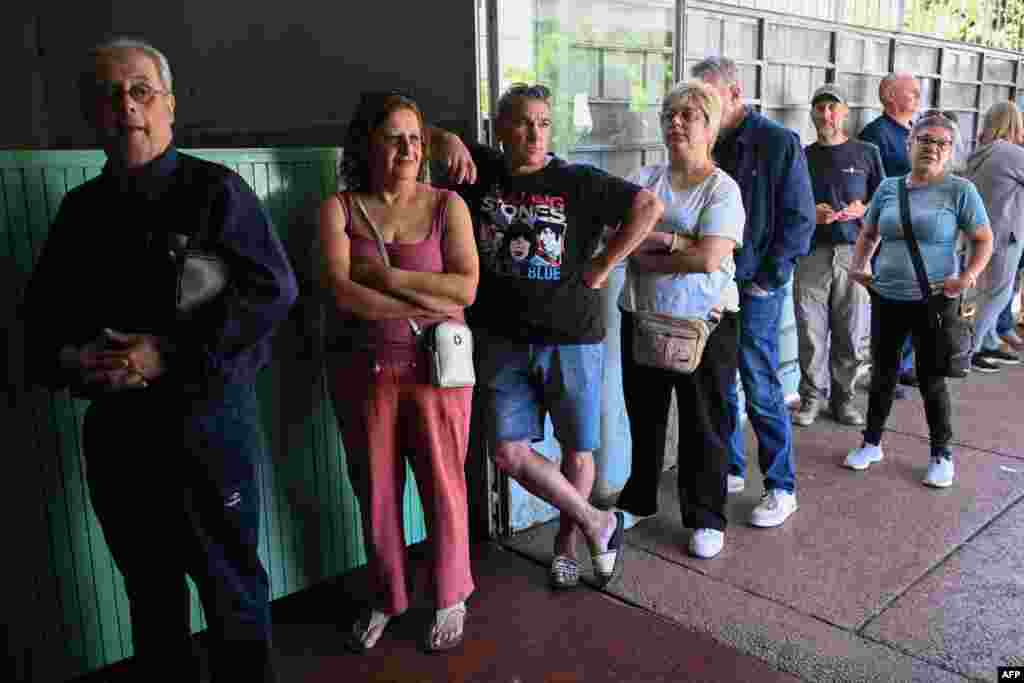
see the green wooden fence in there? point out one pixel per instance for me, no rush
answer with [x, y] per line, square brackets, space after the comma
[67, 613]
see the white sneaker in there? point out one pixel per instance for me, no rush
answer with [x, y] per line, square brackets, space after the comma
[860, 458]
[775, 508]
[940, 472]
[706, 543]
[735, 484]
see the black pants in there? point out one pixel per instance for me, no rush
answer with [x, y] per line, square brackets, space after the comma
[705, 424]
[173, 484]
[892, 322]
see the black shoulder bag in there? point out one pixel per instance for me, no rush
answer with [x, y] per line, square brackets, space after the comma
[949, 318]
[201, 274]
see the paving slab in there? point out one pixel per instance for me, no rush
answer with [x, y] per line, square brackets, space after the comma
[859, 539]
[968, 615]
[985, 408]
[787, 640]
[518, 630]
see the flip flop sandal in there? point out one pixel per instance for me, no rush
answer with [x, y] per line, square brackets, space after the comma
[433, 641]
[565, 572]
[366, 631]
[608, 564]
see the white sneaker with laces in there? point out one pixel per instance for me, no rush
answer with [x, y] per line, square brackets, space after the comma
[860, 458]
[775, 508]
[706, 543]
[940, 472]
[734, 484]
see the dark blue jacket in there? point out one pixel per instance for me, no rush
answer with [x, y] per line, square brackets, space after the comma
[105, 264]
[768, 162]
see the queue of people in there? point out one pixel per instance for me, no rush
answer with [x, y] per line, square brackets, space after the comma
[519, 251]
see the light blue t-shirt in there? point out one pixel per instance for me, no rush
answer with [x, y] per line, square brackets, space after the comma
[938, 212]
[713, 207]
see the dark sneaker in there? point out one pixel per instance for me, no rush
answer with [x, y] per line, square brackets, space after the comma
[909, 379]
[979, 363]
[1001, 357]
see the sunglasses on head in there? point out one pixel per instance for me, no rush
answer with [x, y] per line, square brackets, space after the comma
[540, 92]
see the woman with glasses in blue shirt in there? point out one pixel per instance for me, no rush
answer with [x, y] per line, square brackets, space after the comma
[942, 206]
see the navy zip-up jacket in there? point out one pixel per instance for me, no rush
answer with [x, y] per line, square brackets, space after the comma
[768, 162]
[105, 264]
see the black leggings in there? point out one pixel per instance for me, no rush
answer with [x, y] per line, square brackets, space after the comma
[705, 425]
[892, 321]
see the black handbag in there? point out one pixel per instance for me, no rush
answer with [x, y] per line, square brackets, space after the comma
[950, 319]
[200, 274]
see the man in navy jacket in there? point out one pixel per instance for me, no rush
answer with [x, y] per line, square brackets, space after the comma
[172, 439]
[768, 162]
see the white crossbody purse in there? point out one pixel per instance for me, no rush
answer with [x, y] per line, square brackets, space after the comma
[449, 343]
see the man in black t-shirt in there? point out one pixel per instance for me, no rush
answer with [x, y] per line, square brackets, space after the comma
[539, 315]
[844, 174]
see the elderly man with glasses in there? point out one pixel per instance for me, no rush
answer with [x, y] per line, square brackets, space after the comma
[172, 438]
[768, 162]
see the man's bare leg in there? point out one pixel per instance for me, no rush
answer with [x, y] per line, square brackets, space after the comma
[578, 468]
[544, 480]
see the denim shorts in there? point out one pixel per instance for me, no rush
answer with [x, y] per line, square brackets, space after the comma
[524, 382]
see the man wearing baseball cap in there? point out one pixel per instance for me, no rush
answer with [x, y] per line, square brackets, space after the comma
[844, 175]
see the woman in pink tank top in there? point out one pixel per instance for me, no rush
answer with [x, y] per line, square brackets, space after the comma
[386, 406]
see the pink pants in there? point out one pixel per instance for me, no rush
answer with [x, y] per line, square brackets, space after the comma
[389, 412]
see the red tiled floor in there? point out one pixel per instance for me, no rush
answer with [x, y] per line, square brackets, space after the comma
[518, 630]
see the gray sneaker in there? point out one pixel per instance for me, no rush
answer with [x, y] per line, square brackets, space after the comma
[846, 413]
[807, 413]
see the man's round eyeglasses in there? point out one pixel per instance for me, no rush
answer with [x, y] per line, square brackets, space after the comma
[141, 93]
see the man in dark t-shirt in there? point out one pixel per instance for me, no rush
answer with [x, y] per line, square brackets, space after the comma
[539, 318]
[844, 175]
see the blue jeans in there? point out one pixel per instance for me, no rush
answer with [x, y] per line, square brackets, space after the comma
[766, 405]
[993, 300]
[196, 511]
[1004, 325]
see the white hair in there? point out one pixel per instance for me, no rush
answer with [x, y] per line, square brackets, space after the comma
[722, 68]
[163, 67]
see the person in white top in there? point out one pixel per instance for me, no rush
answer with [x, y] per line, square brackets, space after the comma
[684, 269]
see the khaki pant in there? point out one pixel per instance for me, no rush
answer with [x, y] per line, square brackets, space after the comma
[826, 301]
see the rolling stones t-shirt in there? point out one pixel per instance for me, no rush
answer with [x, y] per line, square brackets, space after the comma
[535, 233]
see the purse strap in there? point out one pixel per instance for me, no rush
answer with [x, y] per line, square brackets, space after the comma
[416, 329]
[911, 240]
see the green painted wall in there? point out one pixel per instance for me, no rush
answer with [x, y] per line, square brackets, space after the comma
[67, 613]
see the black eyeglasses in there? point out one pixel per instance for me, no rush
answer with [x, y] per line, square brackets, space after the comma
[687, 114]
[928, 141]
[140, 92]
[537, 92]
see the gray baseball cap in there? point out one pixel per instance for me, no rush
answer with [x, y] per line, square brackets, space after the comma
[830, 90]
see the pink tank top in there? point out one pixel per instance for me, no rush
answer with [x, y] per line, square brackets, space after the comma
[393, 340]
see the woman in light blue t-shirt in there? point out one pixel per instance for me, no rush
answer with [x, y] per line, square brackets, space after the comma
[942, 207]
[684, 269]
